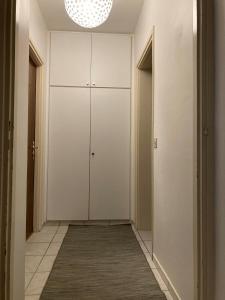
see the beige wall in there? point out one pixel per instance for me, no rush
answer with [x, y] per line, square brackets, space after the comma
[220, 148]
[174, 118]
[20, 151]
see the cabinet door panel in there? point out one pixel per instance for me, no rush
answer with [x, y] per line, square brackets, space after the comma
[111, 60]
[110, 164]
[70, 59]
[68, 159]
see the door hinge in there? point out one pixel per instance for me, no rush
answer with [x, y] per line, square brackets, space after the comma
[11, 126]
[155, 143]
[9, 134]
[205, 131]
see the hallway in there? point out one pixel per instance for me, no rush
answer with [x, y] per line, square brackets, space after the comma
[107, 155]
[114, 115]
[42, 249]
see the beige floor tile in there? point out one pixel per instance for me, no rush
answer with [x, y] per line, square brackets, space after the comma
[28, 277]
[62, 229]
[49, 229]
[53, 249]
[36, 297]
[145, 235]
[37, 284]
[137, 236]
[160, 281]
[46, 264]
[32, 263]
[168, 295]
[58, 238]
[41, 237]
[144, 249]
[150, 261]
[36, 248]
[133, 227]
[148, 245]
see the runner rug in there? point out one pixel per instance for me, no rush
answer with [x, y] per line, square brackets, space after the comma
[101, 263]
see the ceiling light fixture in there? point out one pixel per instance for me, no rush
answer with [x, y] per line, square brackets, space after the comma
[88, 13]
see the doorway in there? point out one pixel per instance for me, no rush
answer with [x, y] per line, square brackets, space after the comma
[7, 66]
[31, 147]
[145, 134]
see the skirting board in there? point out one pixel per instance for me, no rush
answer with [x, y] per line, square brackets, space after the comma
[89, 222]
[166, 279]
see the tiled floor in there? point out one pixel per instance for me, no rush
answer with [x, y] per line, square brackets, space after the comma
[145, 240]
[42, 249]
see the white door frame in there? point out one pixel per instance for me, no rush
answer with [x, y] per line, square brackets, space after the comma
[149, 48]
[39, 206]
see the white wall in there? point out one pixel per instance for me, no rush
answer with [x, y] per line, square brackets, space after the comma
[38, 30]
[20, 152]
[220, 147]
[174, 117]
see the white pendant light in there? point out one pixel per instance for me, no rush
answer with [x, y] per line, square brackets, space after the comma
[88, 13]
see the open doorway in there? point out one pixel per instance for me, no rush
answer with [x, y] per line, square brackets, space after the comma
[145, 139]
[34, 210]
[31, 147]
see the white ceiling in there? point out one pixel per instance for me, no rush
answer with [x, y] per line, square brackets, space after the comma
[123, 17]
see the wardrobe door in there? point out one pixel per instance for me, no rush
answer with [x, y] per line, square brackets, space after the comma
[70, 59]
[111, 60]
[68, 159]
[110, 154]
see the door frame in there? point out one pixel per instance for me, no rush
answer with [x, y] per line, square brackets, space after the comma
[7, 65]
[39, 207]
[205, 206]
[149, 49]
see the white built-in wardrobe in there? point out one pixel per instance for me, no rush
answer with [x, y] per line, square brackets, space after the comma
[89, 127]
